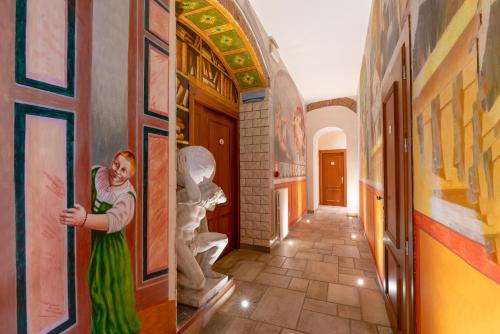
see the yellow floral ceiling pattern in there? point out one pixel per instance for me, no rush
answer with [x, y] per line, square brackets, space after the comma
[219, 29]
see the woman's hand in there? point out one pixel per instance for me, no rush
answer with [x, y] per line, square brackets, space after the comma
[74, 216]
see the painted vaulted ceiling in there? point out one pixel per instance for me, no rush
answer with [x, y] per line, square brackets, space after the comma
[215, 24]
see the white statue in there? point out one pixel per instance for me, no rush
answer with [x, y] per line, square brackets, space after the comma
[197, 248]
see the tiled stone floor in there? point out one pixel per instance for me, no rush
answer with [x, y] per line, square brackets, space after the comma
[320, 280]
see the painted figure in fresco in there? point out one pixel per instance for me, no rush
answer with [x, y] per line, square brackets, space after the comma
[281, 133]
[110, 271]
[197, 248]
[298, 129]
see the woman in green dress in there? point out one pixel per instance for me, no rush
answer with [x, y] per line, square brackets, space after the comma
[110, 271]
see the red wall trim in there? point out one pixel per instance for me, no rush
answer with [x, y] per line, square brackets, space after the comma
[470, 251]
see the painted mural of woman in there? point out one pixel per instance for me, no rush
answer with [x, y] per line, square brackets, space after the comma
[110, 271]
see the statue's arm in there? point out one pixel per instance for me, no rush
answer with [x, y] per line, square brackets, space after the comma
[192, 189]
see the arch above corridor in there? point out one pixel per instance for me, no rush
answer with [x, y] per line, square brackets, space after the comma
[319, 122]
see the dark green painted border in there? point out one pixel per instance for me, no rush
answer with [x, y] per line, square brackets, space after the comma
[21, 13]
[145, 275]
[21, 111]
[146, 20]
[147, 43]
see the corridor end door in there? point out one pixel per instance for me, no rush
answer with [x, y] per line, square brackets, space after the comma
[332, 177]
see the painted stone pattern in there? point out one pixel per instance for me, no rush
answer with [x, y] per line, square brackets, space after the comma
[289, 127]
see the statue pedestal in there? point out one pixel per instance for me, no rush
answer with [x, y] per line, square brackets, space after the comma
[198, 298]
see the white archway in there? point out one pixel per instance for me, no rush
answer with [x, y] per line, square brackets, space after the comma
[322, 121]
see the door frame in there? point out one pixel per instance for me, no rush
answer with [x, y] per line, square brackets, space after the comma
[404, 48]
[202, 96]
[320, 154]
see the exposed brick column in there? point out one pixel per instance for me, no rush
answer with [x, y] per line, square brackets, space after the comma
[255, 174]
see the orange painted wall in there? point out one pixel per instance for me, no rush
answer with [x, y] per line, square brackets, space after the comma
[297, 200]
[453, 296]
[456, 159]
[371, 215]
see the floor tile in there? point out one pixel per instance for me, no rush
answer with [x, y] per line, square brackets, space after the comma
[373, 307]
[294, 273]
[248, 291]
[298, 284]
[320, 306]
[275, 270]
[289, 331]
[331, 258]
[384, 330]
[309, 256]
[279, 281]
[279, 307]
[351, 312]
[317, 290]
[318, 323]
[277, 261]
[368, 282]
[346, 250]
[346, 262]
[295, 264]
[343, 294]
[246, 270]
[321, 271]
[364, 264]
[359, 327]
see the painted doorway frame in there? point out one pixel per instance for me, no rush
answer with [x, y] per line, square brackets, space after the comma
[320, 159]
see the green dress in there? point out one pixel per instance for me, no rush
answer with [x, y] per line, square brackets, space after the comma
[110, 278]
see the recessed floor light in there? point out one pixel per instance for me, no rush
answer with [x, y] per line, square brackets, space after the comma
[353, 236]
[360, 281]
[308, 221]
[290, 242]
[245, 303]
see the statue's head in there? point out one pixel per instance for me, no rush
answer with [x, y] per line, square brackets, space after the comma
[196, 162]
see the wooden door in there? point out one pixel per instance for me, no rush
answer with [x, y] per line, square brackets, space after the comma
[397, 188]
[332, 178]
[217, 132]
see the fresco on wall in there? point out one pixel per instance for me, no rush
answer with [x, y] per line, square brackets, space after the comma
[383, 33]
[289, 127]
[457, 137]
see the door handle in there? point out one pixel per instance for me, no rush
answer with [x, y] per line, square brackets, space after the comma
[342, 179]
[380, 198]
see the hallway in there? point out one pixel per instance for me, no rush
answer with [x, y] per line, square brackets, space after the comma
[320, 279]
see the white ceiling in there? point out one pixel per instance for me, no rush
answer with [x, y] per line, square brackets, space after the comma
[320, 41]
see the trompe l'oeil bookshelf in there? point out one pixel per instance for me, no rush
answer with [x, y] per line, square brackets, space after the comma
[197, 61]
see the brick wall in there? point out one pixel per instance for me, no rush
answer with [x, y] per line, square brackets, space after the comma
[255, 174]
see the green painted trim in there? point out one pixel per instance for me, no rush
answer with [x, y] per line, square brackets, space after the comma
[21, 111]
[197, 19]
[145, 275]
[20, 53]
[147, 43]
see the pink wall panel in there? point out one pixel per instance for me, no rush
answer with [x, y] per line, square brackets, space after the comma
[47, 41]
[46, 239]
[159, 20]
[157, 203]
[158, 81]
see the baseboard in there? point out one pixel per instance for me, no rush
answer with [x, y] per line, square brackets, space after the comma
[257, 248]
